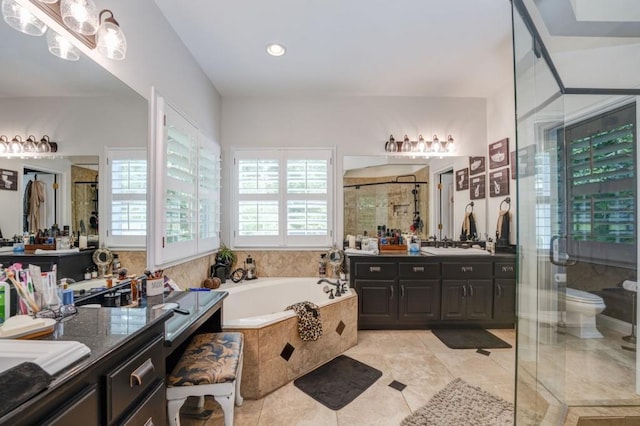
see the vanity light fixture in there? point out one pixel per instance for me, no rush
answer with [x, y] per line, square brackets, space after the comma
[61, 47]
[20, 18]
[421, 147]
[110, 40]
[30, 147]
[275, 49]
[80, 18]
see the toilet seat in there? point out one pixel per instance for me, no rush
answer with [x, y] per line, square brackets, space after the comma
[580, 296]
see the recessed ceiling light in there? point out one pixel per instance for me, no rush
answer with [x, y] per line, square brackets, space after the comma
[275, 49]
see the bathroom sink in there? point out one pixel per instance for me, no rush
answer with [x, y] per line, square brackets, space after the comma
[454, 251]
[52, 356]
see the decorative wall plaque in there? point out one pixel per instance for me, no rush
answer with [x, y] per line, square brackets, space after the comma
[462, 179]
[499, 183]
[476, 165]
[8, 180]
[499, 154]
[477, 187]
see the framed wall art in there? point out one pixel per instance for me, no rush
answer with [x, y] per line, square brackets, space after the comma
[499, 183]
[462, 179]
[8, 180]
[499, 154]
[477, 190]
[476, 165]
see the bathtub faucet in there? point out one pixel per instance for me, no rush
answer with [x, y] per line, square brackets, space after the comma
[337, 284]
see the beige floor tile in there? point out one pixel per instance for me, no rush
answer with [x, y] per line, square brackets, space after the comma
[379, 405]
[289, 406]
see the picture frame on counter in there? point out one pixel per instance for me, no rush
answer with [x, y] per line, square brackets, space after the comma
[499, 183]
[477, 165]
[499, 154]
[462, 179]
[477, 190]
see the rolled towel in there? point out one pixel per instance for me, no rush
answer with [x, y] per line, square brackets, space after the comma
[630, 285]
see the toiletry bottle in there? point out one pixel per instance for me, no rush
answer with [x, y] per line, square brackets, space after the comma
[322, 266]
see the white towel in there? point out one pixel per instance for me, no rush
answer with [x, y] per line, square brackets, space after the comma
[357, 252]
[630, 285]
[61, 251]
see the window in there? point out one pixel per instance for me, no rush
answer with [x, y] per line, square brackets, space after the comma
[127, 209]
[601, 185]
[283, 198]
[188, 188]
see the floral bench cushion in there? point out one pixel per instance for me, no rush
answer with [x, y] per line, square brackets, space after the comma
[209, 358]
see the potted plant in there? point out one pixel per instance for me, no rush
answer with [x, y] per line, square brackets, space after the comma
[225, 259]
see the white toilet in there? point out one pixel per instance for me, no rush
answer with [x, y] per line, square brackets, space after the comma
[581, 310]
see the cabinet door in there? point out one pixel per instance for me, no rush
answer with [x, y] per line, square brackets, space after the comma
[377, 302]
[453, 299]
[504, 300]
[419, 301]
[479, 299]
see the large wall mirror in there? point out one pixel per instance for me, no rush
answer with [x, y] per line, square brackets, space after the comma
[412, 195]
[83, 108]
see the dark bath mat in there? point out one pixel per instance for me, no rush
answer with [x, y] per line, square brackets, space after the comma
[471, 338]
[338, 382]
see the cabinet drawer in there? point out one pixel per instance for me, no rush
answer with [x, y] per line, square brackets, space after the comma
[419, 270]
[505, 269]
[467, 270]
[152, 410]
[84, 406]
[131, 380]
[376, 270]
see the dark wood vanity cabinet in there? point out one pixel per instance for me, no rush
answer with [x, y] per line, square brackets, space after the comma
[412, 292]
[396, 294]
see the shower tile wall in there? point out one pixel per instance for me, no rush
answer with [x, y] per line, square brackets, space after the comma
[83, 197]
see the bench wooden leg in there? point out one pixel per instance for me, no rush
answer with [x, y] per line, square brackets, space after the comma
[173, 411]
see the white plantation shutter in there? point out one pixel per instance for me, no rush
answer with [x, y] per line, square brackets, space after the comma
[127, 209]
[283, 198]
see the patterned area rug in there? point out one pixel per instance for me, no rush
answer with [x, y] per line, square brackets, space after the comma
[459, 403]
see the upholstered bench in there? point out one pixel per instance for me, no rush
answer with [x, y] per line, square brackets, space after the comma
[210, 365]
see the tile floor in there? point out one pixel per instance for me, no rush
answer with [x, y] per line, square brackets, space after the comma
[416, 358]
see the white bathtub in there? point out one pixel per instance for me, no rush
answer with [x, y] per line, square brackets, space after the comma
[258, 303]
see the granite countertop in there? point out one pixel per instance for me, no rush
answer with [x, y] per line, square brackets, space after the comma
[103, 330]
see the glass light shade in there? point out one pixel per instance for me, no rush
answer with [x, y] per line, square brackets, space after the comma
[19, 18]
[61, 47]
[406, 144]
[15, 146]
[391, 145]
[435, 146]
[451, 147]
[110, 40]
[421, 146]
[80, 15]
[4, 144]
[43, 145]
[30, 145]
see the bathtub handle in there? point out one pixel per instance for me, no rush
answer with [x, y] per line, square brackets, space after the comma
[402, 291]
[498, 290]
[391, 288]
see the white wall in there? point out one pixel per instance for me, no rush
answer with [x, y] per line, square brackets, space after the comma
[501, 123]
[353, 125]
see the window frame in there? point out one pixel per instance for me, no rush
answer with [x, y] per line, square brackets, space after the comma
[282, 240]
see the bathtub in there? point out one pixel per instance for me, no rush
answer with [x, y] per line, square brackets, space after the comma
[274, 354]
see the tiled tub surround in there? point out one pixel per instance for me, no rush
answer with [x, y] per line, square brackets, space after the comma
[274, 354]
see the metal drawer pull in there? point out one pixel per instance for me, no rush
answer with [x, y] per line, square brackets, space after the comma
[149, 422]
[498, 290]
[464, 291]
[466, 268]
[402, 290]
[135, 379]
[470, 290]
[391, 287]
[418, 269]
[507, 269]
[374, 269]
